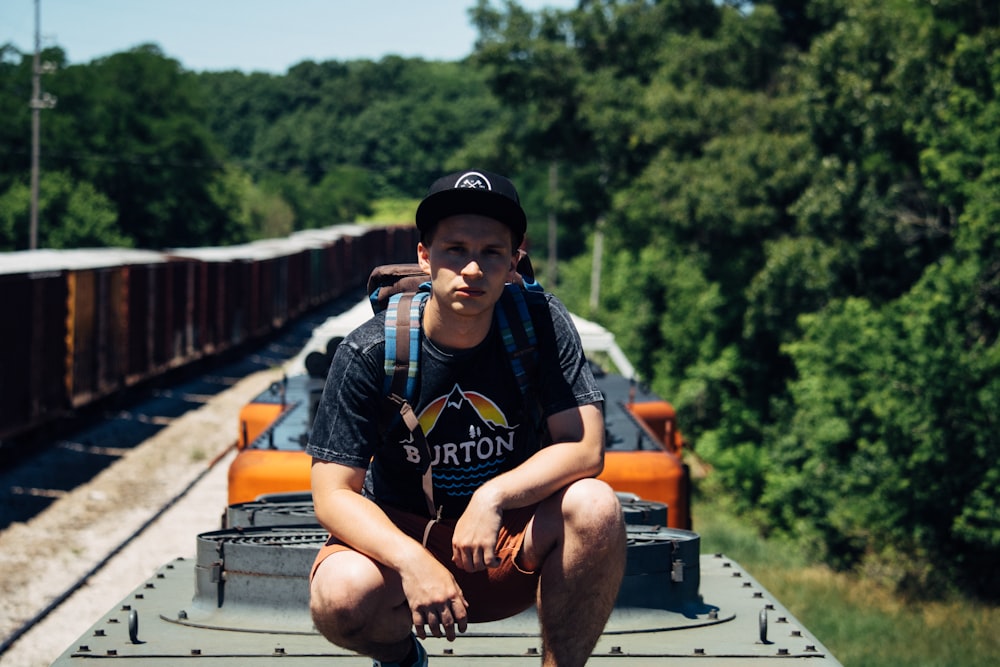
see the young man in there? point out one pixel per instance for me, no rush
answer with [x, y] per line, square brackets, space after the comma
[519, 518]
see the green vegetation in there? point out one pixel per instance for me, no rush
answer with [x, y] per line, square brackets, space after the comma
[796, 203]
[861, 622]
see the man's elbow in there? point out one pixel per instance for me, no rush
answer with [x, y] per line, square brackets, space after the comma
[594, 462]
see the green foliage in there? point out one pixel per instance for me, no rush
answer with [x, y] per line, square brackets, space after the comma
[398, 119]
[893, 444]
[71, 215]
[801, 250]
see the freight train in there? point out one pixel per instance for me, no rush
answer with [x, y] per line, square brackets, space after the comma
[243, 599]
[83, 325]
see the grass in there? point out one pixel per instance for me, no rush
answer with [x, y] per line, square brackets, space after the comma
[862, 624]
[392, 211]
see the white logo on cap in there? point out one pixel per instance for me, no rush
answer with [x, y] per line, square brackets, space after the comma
[473, 180]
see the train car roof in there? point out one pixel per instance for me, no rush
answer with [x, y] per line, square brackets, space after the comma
[76, 259]
[271, 248]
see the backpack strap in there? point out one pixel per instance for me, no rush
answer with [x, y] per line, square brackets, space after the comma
[402, 357]
[402, 343]
[520, 339]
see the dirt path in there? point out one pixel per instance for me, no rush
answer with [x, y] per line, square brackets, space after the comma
[42, 558]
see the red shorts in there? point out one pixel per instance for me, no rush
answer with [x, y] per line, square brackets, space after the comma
[493, 593]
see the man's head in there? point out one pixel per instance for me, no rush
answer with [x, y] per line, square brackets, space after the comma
[474, 192]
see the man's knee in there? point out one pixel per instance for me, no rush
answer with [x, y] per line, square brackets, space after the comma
[590, 504]
[342, 596]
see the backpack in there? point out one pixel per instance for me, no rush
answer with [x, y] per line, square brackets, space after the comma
[400, 290]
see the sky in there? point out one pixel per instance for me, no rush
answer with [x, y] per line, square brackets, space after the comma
[250, 35]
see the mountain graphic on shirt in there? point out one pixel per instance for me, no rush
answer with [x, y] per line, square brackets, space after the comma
[462, 418]
[468, 446]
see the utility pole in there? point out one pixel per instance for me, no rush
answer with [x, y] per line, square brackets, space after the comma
[39, 101]
[36, 124]
[553, 227]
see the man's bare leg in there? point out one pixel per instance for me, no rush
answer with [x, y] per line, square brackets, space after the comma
[360, 606]
[579, 536]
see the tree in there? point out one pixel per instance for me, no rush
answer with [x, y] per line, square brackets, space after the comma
[73, 215]
[132, 124]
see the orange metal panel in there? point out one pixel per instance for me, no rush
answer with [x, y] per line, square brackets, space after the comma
[255, 472]
[660, 420]
[651, 475]
[254, 418]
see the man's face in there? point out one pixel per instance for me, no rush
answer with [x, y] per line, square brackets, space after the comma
[469, 259]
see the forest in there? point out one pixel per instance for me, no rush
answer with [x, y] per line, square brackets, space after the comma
[786, 211]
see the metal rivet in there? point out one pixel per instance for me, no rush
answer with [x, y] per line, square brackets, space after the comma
[758, 594]
[149, 584]
[782, 651]
[182, 615]
[84, 648]
[796, 633]
[196, 651]
[810, 648]
[782, 619]
[112, 651]
[279, 650]
[737, 574]
[449, 651]
[747, 584]
[98, 633]
[532, 651]
[160, 575]
[714, 614]
[616, 650]
[699, 651]
[769, 606]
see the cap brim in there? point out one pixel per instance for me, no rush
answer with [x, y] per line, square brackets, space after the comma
[445, 204]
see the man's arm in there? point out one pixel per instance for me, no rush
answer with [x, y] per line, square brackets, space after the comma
[576, 452]
[356, 520]
[361, 524]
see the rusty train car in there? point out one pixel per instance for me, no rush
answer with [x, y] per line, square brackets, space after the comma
[243, 599]
[82, 325]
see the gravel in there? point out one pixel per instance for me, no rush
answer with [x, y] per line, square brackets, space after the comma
[43, 558]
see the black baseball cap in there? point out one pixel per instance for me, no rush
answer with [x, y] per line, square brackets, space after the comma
[474, 191]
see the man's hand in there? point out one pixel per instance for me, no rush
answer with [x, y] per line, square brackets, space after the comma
[434, 598]
[475, 538]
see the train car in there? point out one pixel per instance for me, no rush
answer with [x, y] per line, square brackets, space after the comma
[68, 317]
[82, 325]
[244, 598]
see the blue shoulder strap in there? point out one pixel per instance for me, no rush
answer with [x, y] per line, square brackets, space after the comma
[521, 341]
[402, 343]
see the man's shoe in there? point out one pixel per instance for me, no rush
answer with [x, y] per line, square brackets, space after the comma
[421, 660]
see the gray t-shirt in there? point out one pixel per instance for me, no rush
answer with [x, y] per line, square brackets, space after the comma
[475, 420]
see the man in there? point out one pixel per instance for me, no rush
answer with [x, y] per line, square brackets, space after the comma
[519, 518]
